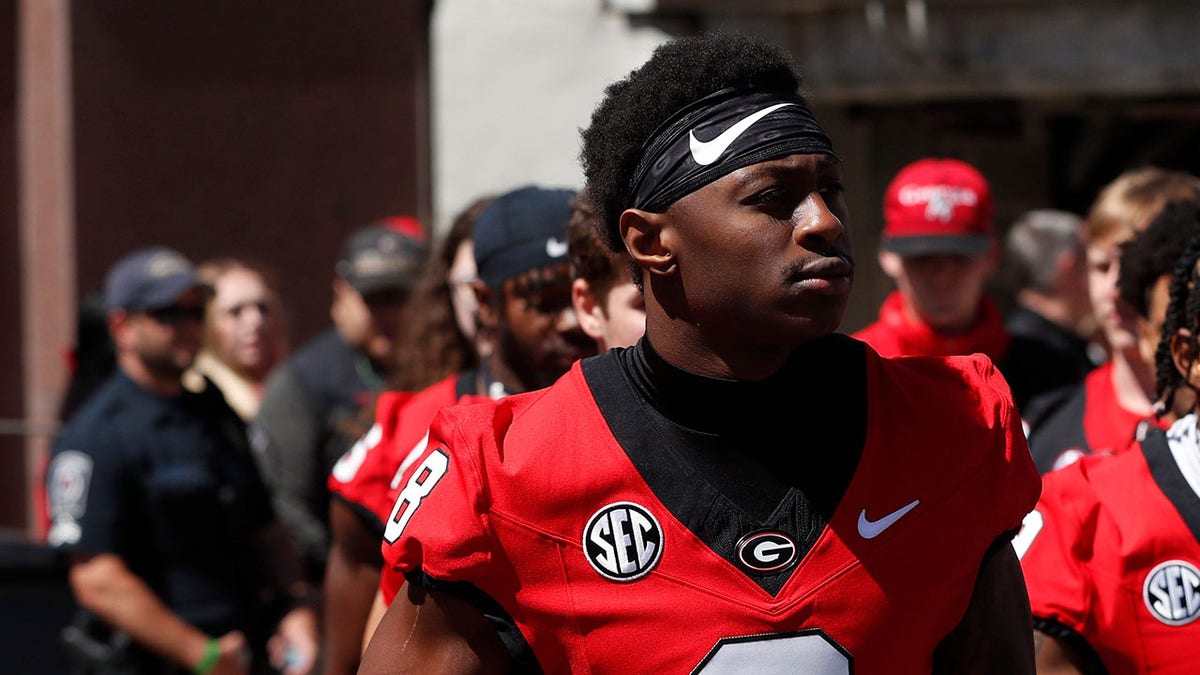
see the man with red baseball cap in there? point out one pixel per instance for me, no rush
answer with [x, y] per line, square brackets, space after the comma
[940, 248]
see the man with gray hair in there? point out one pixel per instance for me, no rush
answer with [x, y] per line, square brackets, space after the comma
[1048, 268]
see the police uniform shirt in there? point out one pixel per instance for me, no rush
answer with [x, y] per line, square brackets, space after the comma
[169, 485]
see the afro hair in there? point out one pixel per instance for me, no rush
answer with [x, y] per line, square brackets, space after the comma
[679, 72]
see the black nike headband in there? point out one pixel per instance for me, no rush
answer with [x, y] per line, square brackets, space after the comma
[718, 134]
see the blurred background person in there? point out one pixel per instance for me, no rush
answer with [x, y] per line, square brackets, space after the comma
[523, 291]
[610, 307]
[1110, 553]
[940, 249]
[1102, 414]
[441, 341]
[323, 385]
[244, 333]
[441, 334]
[1046, 265]
[1148, 263]
[175, 554]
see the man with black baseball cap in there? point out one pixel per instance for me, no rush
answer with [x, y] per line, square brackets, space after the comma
[154, 493]
[532, 337]
[326, 382]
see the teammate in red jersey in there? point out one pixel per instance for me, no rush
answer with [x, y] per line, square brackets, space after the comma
[1105, 413]
[1112, 553]
[530, 336]
[744, 489]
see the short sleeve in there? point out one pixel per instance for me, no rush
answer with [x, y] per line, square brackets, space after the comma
[85, 501]
[1054, 544]
[363, 474]
[1010, 477]
[438, 521]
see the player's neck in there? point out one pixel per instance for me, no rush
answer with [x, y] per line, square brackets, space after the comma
[705, 403]
[1131, 379]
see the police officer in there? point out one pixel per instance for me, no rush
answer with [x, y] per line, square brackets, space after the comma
[175, 553]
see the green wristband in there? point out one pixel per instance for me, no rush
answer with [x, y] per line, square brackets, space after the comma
[212, 652]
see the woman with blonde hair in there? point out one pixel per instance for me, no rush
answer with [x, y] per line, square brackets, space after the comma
[244, 335]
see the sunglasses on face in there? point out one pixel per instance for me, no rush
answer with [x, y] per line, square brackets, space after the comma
[177, 314]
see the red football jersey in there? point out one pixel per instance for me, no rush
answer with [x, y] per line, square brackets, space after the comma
[532, 500]
[1107, 425]
[1109, 554]
[363, 475]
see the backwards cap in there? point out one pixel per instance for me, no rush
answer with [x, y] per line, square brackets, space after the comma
[521, 230]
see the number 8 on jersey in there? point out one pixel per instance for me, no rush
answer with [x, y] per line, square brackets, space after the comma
[420, 484]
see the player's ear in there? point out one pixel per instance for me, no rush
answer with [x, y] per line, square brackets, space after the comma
[1183, 353]
[119, 328]
[587, 308]
[647, 239]
[890, 263]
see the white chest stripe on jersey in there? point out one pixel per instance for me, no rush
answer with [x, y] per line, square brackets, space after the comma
[1030, 527]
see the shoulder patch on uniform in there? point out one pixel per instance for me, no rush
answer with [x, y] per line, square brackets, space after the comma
[67, 480]
[1172, 592]
[623, 541]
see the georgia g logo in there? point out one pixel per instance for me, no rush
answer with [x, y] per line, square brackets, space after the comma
[1172, 592]
[766, 551]
[623, 541]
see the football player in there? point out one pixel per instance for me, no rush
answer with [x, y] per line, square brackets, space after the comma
[1111, 554]
[531, 336]
[744, 489]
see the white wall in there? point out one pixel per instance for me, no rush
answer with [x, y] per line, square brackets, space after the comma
[513, 82]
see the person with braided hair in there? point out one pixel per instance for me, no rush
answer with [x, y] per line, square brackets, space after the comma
[1111, 554]
[1088, 422]
[744, 489]
[1104, 413]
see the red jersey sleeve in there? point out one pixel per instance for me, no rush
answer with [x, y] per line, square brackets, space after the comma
[438, 522]
[1054, 544]
[365, 469]
[1020, 490]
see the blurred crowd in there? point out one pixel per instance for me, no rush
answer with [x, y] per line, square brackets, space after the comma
[223, 491]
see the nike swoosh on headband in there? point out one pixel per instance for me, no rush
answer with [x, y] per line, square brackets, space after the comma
[707, 152]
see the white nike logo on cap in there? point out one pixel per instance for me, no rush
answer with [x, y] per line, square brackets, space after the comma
[707, 152]
[869, 529]
[556, 248]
